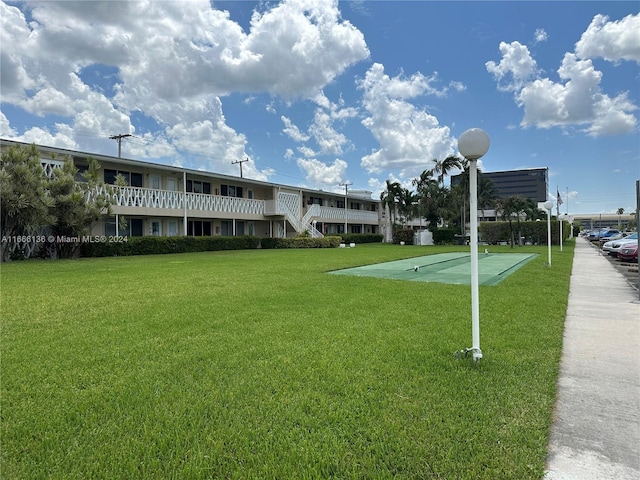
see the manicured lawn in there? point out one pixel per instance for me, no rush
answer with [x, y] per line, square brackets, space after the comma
[258, 365]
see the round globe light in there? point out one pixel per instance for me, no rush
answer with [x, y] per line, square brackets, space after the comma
[548, 205]
[473, 144]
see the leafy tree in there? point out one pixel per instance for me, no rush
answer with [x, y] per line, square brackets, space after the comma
[76, 205]
[24, 204]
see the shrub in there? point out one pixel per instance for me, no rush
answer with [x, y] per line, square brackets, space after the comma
[163, 245]
[403, 235]
[533, 232]
[359, 238]
[444, 236]
[301, 242]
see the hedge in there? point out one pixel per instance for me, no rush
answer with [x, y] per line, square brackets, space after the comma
[533, 232]
[163, 245]
[361, 238]
[301, 242]
[403, 235]
[444, 236]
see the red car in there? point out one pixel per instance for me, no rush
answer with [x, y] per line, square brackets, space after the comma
[629, 253]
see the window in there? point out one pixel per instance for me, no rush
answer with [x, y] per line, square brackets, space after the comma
[196, 186]
[198, 228]
[133, 227]
[340, 204]
[315, 201]
[355, 206]
[230, 191]
[155, 182]
[133, 179]
[80, 173]
[227, 228]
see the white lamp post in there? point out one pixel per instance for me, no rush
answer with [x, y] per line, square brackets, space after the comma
[548, 205]
[472, 145]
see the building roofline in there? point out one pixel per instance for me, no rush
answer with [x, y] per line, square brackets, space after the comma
[174, 168]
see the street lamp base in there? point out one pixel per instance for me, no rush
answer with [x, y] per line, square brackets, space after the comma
[476, 353]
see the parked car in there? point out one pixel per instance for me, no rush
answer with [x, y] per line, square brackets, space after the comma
[598, 235]
[629, 253]
[613, 245]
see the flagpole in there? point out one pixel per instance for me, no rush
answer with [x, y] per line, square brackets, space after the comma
[570, 222]
[558, 203]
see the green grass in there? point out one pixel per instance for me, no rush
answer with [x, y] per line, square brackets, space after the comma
[258, 365]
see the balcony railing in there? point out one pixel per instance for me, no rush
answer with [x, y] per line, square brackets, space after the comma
[337, 215]
[154, 198]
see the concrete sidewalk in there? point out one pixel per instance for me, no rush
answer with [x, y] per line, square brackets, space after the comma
[596, 429]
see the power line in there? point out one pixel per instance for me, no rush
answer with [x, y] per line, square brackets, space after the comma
[346, 192]
[119, 138]
[240, 162]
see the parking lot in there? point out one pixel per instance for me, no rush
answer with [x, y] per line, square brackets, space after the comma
[628, 270]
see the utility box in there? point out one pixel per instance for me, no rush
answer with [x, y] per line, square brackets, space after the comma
[423, 237]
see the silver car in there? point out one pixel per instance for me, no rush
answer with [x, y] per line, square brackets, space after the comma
[613, 246]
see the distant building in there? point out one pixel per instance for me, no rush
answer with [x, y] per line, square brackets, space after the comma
[530, 183]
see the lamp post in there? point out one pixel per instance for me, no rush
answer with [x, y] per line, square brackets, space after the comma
[472, 145]
[548, 205]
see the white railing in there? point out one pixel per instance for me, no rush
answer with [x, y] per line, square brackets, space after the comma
[154, 198]
[216, 203]
[338, 215]
[288, 205]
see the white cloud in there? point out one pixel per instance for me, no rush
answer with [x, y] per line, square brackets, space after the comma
[517, 66]
[409, 137]
[612, 41]
[306, 151]
[328, 139]
[577, 98]
[322, 175]
[292, 131]
[576, 101]
[6, 130]
[540, 36]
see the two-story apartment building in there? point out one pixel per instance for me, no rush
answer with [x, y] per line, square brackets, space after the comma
[168, 200]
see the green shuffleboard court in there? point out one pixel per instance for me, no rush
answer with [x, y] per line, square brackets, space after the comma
[452, 267]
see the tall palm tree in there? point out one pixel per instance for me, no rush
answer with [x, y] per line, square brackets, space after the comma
[389, 198]
[405, 204]
[442, 168]
[487, 193]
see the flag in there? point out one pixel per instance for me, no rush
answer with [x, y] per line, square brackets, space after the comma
[559, 197]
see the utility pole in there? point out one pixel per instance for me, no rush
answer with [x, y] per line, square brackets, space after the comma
[240, 162]
[346, 191]
[119, 138]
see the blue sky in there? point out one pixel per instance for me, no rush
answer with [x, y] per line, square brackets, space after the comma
[318, 93]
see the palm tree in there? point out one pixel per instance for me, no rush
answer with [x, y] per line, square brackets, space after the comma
[433, 198]
[511, 206]
[405, 204]
[445, 166]
[390, 197]
[487, 193]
